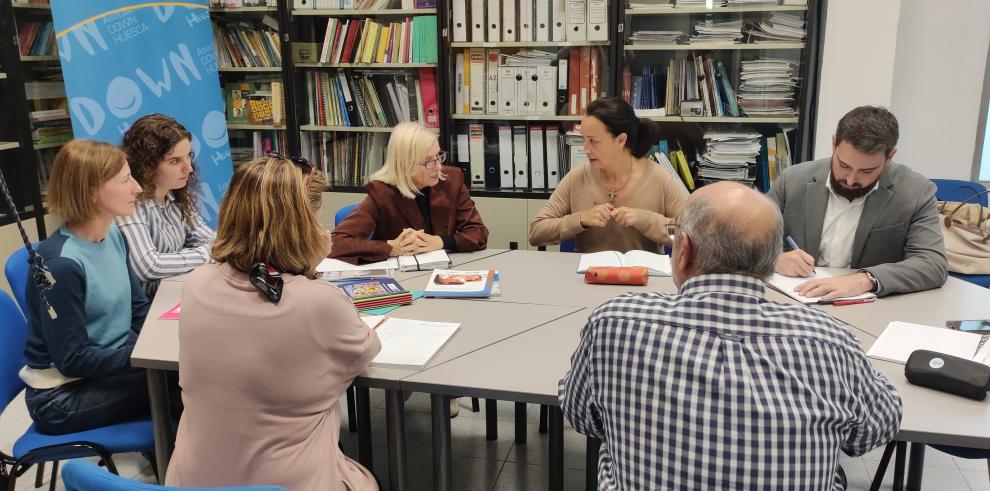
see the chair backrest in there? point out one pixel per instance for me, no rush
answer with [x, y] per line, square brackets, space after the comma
[342, 214]
[568, 245]
[16, 271]
[956, 190]
[13, 332]
[80, 475]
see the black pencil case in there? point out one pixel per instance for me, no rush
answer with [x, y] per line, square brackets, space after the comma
[948, 373]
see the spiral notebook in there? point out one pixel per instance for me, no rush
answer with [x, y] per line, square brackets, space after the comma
[900, 339]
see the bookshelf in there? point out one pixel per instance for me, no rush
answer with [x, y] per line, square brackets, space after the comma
[713, 47]
[714, 10]
[361, 12]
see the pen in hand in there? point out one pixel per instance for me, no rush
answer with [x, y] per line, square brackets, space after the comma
[793, 245]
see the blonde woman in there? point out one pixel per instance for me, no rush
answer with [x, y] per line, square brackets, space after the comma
[78, 369]
[414, 205]
[261, 373]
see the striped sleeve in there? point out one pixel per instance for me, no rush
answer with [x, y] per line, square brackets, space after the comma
[200, 234]
[156, 244]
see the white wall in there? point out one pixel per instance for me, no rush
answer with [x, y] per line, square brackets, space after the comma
[938, 84]
[858, 61]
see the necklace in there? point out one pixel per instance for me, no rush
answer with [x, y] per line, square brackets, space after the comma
[614, 193]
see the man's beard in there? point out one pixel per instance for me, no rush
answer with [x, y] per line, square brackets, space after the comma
[849, 194]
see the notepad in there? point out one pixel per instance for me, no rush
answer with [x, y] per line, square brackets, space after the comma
[787, 284]
[900, 339]
[408, 343]
[656, 264]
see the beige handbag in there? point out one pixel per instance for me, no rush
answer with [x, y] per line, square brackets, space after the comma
[966, 228]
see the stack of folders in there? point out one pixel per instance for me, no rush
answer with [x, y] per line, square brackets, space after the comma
[782, 27]
[380, 99]
[447, 283]
[370, 294]
[507, 156]
[496, 21]
[697, 85]
[767, 87]
[730, 156]
[530, 82]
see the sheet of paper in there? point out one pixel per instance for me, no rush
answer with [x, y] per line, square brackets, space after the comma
[410, 343]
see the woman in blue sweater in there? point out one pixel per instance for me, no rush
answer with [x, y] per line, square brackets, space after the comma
[82, 332]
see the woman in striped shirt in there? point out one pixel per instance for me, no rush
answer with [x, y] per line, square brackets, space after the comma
[166, 235]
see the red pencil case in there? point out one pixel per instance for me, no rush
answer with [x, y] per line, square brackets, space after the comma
[611, 275]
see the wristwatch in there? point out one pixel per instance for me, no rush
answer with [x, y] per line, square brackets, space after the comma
[873, 279]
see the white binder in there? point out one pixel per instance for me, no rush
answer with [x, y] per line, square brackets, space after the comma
[577, 18]
[558, 29]
[507, 90]
[542, 23]
[505, 155]
[476, 135]
[597, 20]
[508, 20]
[460, 20]
[546, 90]
[520, 157]
[553, 157]
[459, 83]
[494, 20]
[525, 15]
[463, 147]
[491, 80]
[478, 21]
[477, 77]
[536, 150]
[526, 90]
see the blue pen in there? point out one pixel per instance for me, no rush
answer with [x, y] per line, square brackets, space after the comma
[793, 245]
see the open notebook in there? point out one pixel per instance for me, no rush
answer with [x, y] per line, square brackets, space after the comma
[656, 264]
[787, 284]
[336, 269]
[407, 343]
[900, 339]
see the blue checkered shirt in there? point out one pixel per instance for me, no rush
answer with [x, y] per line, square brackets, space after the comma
[718, 388]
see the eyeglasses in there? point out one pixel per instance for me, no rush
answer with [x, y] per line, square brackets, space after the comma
[304, 165]
[671, 229]
[436, 161]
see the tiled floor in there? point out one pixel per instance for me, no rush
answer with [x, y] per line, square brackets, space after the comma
[502, 465]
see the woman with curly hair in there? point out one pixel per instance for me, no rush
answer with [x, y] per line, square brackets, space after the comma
[166, 235]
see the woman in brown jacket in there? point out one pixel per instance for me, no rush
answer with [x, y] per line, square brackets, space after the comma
[414, 205]
[261, 377]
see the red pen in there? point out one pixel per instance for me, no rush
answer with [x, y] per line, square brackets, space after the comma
[839, 303]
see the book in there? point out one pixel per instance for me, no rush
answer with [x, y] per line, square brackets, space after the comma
[408, 343]
[900, 339]
[787, 284]
[423, 262]
[374, 293]
[449, 283]
[656, 264]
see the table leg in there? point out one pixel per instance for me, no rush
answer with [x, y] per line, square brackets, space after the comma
[521, 425]
[899, 466]
[395, 425]
[491, 420]
[556, 464]
[592, 448]
[916, 464]
[362, 397]
[161, 420]
[443, 475]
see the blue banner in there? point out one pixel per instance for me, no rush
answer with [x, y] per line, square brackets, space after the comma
[123, 59]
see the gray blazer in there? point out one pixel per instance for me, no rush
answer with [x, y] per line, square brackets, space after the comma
[898, 239]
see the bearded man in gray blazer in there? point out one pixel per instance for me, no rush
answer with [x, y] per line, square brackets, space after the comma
[858, 209]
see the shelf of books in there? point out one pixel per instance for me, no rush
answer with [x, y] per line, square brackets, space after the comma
[364, 67]
[249, 60]
[522, 75]
[728, 76]
[31, 4]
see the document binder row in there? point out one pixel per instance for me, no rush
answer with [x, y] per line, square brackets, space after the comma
[529, 20]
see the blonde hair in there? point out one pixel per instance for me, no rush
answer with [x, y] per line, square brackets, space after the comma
[316, 185]
[265, 217]
[80, 168]
[408, 146]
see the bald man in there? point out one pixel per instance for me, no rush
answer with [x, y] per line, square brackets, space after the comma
[715, 387]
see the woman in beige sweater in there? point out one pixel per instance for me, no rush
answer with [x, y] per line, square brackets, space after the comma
[261, 375]
[619, 201]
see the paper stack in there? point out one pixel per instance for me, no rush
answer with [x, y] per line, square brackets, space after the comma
[728, 156]
[709, 31]
[699, 3]
[766, 87]
[782, 27]
[528, 57]
[367, 294]
[657, 37]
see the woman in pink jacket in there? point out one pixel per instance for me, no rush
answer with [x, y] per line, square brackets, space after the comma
[266, 350]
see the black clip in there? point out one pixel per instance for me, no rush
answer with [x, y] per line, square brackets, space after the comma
[267, 281]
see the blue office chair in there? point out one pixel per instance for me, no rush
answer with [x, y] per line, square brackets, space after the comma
[343, 213]
[36, 448]
[956, 190]
[80, 475]
[568, 245]
[16, 271]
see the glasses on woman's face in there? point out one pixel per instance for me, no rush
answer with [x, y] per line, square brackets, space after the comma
[304, 165]
[435, 161]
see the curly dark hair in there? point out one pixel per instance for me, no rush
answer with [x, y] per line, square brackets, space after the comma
[146, 143]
